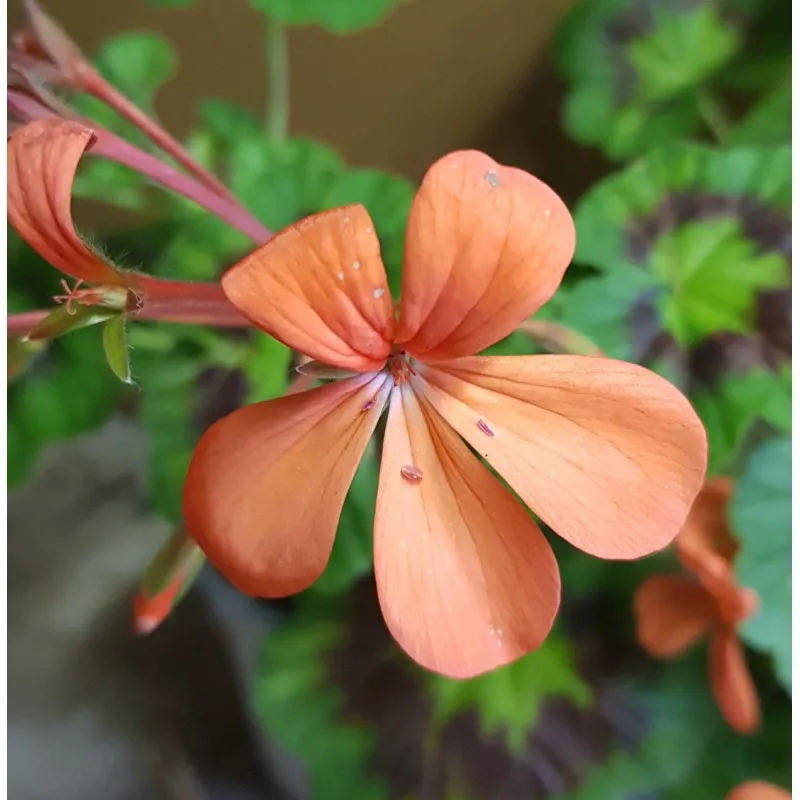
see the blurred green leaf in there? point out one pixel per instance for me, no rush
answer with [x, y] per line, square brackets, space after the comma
[228, 122]
[730, 409]
[713, 274]
[344, 16]
[509, 699]
[110, 183]
[303, 711]
[684, 240]
[282, 182]
[634, 69]
[70, 391]
[761, 517]
[167, 409]
[138, 64]
[388, 199]
[267, 368]
[115, 345]
[351, 558]
[769, 122]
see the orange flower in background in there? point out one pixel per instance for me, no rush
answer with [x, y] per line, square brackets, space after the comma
[674, 611]
[607, 453]
[758, 790]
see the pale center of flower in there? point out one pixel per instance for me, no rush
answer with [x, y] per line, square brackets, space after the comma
[400, 366]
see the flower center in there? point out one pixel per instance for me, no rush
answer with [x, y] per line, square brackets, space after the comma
[400, 366]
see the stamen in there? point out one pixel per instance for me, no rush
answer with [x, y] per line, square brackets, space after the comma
[484, 428]
[87, 297]
[411, 473]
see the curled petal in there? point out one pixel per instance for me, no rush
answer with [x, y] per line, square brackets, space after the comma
[466, 580]
[706, 541]
[608, 454]
[758, 790]
[672, 613]
[732, 683]
[486, 246]
[266, 484]
[320, 287]
[42, 159]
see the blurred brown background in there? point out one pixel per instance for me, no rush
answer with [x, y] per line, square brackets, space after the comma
[436, 76]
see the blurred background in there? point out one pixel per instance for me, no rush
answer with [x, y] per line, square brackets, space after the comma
[665, 126]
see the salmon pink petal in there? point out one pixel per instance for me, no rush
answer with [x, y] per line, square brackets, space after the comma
[732, 683]
[42, 159]
[320, 287]
[758, 790]
[672, 613]
[486, 246]
[466, 580]
[266, 484]
[706, 541]
[608, 454]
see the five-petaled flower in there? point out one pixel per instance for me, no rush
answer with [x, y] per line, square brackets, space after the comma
[675, 611]
[608, 454]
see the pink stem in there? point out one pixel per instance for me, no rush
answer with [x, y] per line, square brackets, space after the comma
[21, 324]
[115, 148]
[94, 83]
[123, 152]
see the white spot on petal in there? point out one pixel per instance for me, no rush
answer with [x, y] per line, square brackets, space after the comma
[356, 264]
[340, 276]
[378, 293]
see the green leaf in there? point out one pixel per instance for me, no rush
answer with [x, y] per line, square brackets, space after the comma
[267, 368]
[351, 558]
[110, 183]
[70, 391]
[685, 239]
[388, 199]
[761, 517]
[302, 711]
[731, 408]
[344, 16]
[634, 69]
[713, 274]
[70, 317]
[282, 182]
[138, 64]
[510, 699]
[769, 122]
[167, 408]
[227, 122]
[115, 345]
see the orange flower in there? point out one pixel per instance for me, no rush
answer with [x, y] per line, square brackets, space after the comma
[758, 790]
[607, 453]
[675, 611]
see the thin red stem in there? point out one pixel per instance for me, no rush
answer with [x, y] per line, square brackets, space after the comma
[21, 324]
[94, 83]
[115, 148]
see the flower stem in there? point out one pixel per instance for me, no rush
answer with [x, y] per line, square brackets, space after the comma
[21, 324]
[95, 84]
[123, 152]
[189, 303]
[277, 59]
